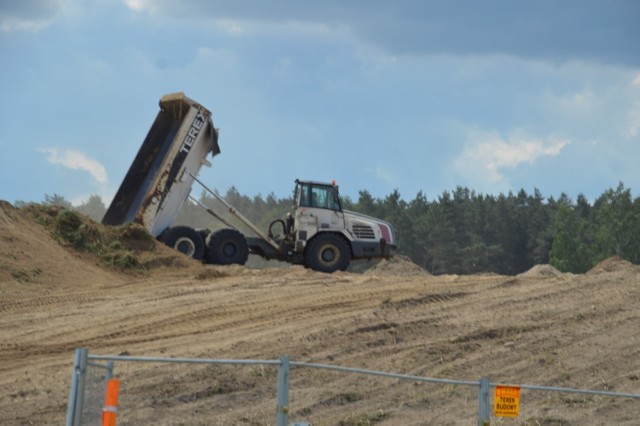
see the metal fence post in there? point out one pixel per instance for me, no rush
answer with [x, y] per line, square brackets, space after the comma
[483, 402]
[282, 416]
[109, 373]
[76, 393]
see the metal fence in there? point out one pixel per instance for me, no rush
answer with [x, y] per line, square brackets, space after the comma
[91, 373]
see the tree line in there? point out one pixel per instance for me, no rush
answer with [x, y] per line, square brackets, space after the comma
[464, 232]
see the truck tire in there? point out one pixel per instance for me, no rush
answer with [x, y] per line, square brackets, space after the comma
[226, 247]
[327, 253]
[184, 239]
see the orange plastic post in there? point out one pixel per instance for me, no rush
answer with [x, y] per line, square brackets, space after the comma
[110, 408]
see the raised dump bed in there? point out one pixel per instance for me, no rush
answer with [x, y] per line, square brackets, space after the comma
[161, 176]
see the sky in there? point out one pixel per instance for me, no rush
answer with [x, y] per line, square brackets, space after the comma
[409, 95]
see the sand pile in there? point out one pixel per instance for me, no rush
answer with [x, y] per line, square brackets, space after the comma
[613, 264]
[397, 265]
[541, 271]
[41, 243]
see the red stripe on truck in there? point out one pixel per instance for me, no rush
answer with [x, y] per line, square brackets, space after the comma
[384, 230]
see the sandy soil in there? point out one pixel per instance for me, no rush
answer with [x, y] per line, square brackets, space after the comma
[541, 327]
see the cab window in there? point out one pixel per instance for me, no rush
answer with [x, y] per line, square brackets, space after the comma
[303, 195]
[318, 196]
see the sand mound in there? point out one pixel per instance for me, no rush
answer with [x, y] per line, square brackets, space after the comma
[43, 244]
[613, 264]
[397, 265]
[541, 271]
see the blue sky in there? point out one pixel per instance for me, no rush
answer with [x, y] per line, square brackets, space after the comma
[493, 95]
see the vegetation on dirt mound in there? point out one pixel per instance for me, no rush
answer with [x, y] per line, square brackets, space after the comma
[128, 248]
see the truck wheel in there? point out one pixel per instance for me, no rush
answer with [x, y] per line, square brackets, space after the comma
[327, 253]
[184, 239]
[227, 247]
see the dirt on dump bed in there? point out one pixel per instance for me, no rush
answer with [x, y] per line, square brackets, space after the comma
[66, 284]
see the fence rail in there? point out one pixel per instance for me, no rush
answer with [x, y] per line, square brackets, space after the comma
[83, 359]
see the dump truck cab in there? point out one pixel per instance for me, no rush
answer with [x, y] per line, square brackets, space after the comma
[316, 207]
[326, 236]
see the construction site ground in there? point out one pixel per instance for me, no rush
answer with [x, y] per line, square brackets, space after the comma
[541, 327]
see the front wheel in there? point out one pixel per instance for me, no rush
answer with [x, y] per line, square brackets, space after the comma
[184, 239]
[327, 253]
[227, 247]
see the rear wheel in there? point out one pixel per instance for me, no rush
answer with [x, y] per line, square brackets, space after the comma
[184, 239]
[227, 247]
[327, 253]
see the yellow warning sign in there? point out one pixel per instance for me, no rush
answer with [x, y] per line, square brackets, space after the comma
[507, 401]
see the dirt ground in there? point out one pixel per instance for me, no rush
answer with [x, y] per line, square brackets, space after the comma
[541, 327]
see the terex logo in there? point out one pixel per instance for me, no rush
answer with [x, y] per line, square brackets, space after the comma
[193, 133]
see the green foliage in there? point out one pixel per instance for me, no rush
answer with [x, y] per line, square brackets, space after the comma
[135, 237]
[118, 247]
[121, 259]
[69, 226]
[618, 224]
[56, 200]
[572, 250]
[462, 232]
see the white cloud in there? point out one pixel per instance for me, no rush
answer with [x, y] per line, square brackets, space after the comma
[138, 5]
[76, 160]
[636, 81]
[489, 155]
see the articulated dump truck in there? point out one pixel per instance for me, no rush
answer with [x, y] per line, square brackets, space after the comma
[318, 233]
